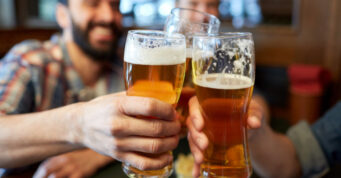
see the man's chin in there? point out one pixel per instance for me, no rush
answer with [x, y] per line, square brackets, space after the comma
[103, 48]
[102, 40]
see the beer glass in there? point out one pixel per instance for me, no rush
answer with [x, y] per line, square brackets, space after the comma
[223, 75]
[154, 66]
[189, 22]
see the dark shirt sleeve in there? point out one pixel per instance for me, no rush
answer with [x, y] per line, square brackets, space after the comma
[318, 147]
[328, 133]
[308, 150]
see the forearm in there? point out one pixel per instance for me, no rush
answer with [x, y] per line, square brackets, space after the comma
[273, 154]
[30, 138]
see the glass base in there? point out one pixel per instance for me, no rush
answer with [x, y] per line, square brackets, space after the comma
[132, 172]
[210, 171]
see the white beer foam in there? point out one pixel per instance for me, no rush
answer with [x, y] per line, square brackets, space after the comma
[201, 54]
[223, 81]
[163, 55]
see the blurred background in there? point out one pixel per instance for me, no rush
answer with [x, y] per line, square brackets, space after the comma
[296, 41]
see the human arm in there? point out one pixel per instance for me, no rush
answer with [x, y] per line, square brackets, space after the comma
[82, 163]
[29, 138]
[273, 155]
[104, 125]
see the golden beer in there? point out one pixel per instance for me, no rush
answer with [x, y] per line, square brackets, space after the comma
[224, 100]
[163, 82]
[154, 66]
[187, 92]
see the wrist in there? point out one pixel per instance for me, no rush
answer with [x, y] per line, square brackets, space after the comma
[74, 130]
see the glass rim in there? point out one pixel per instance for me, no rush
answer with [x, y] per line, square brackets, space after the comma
[216, 21]
[148, 34]
[222, 35]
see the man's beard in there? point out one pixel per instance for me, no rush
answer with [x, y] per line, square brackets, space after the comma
[81, 38]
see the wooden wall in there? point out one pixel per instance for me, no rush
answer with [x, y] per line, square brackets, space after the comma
[313, 38]
[8, 38]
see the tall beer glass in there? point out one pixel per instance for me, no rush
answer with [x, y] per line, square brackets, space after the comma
[224, 74]
[189, 22]
[154, 66]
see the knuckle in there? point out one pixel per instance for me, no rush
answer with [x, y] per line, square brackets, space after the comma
[176, 141]
[142, 165]
[118, 127]
[120, 103]
[173, 142]
[66, 159]
[120, 156]
[150, 105]
[177, 127]
[171, 112]
[148, 165]
[157, 128]
[168, 110]
[113, 153]
[117, 145]
[155, 146]
[151, 165]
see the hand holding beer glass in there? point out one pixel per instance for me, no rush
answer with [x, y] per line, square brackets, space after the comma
[189, 22]
[224, 74]
[154, 66]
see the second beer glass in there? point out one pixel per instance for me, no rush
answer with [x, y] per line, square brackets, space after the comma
[154, 66]
[224, 74]
[189, 22]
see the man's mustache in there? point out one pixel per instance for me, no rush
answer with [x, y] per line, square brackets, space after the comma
[117, 30]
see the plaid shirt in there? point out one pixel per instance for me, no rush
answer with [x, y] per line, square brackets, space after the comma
[36, 76]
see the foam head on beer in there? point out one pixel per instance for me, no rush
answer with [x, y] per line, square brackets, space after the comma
[164, 49]
[232, 58]
[155, 63]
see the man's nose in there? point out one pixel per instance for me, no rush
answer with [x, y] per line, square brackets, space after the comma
[202, 7]
[106, 13]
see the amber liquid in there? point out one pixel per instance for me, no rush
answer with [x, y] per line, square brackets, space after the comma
[187, 92]
[163, 82]
[225, 114]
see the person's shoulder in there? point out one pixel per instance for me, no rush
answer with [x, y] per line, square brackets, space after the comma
[35, 53]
